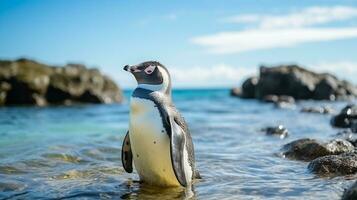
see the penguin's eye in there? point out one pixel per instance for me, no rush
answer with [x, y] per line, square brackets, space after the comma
[150, 69]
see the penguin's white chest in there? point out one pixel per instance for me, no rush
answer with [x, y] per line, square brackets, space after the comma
[150, 143]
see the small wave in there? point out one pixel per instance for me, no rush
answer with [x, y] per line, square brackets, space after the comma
[4, 169]
[65, 158]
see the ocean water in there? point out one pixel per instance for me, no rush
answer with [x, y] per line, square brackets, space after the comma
[61, 152]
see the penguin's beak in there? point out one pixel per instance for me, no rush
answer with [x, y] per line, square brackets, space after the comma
[126, 68]
[131, 69]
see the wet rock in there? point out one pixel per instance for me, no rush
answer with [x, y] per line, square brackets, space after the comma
[297, 82]
[343, 164]
[318, 109]
[27, 82]
[279, 131]
[249, 87]
[350, 193]
[308, 149]
[346, 118]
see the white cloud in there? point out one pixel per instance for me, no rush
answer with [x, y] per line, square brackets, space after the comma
[274, 31]
[306, 17]
[248, 40]
[219, 76]
[343, 69]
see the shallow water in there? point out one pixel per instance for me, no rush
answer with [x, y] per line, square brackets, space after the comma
[72, 152]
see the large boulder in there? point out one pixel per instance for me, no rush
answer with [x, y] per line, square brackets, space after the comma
[297, 82]
[290, 80]
[26, 82]
[308, 149]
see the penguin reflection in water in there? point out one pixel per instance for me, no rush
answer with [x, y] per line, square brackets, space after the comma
[158, 140]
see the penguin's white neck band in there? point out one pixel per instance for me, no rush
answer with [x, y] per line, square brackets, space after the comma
[151, 87]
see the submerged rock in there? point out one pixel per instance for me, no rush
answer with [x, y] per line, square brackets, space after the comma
[297, 82]
[318, 109]
[343, 164]
[308, 149]
[26, 82]
[279, 131]
[350, 193]
[346, 118]
[278, 99]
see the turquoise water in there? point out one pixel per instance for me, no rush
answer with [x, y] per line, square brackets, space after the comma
[74, 152]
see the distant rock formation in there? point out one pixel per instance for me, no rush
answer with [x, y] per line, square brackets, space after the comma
[27, 82]
[297, 82]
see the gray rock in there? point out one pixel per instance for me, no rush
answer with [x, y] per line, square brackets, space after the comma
[26, 82]
[297, 82]
[279, 131]
[289, 80]
[308, 149]
[350, 193]
[346, 118]
[343, 164]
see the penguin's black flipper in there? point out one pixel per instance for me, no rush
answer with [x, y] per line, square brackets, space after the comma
[126, 154]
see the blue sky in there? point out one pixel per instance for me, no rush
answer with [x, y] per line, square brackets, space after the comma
[203, 43]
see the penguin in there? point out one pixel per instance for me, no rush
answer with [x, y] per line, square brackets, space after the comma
[158, 142]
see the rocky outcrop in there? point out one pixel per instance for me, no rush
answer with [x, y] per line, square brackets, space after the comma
[343, 164]
[297, 82]
[27, 82]
[347, 118]
[308, 149]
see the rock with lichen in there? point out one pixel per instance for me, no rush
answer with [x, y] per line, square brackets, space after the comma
[308, 149]
[335, 165]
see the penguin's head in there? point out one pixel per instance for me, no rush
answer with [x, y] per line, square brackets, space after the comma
[151, 75]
